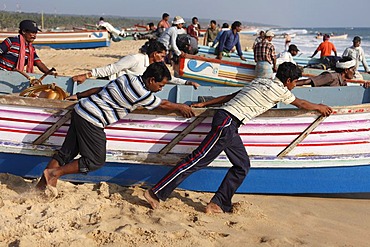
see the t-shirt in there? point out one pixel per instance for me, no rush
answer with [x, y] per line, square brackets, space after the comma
[118, 98]
[326, 47]
[9, 53]
[257, 97]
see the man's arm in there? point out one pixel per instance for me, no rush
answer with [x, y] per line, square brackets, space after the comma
[221, 44]
[304, 104]
[126, 62]
[314, 54]
[42, 67]
[219, 100]
[85, 94]
[183, 109]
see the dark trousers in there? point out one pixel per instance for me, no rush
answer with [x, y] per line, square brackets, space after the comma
[223, 136]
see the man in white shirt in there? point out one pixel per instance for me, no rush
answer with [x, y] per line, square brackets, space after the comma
[134, 64]
[287, 56]
[357, 53]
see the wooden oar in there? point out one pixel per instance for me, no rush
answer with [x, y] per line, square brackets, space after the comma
[183, 133]
[302, 136]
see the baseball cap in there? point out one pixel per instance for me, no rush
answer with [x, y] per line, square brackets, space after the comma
[293, 48]
[356, 39]
[178, 20]
[269, 34]
[29, 26]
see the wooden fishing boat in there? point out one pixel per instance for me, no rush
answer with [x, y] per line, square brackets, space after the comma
[333, 158]
[342, 36]
[226, 72]
[68, 39]
[249, 55]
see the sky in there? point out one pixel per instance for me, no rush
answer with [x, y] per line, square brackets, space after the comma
[284, 13]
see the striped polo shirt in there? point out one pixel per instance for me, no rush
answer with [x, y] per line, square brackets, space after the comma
[118, 98]
[9, 53]
[257, 97]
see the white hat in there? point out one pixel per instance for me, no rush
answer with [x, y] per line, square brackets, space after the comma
[178, 20]
[345, 65]
[269, 34]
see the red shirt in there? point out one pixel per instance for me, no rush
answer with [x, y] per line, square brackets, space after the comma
[326, 47]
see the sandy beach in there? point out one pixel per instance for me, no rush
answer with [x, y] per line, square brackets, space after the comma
[110, 215]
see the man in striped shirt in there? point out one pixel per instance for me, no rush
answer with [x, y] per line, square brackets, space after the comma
[14, 49]
[99, 108]
[254, 99]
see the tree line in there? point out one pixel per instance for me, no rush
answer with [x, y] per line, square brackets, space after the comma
[11, 20]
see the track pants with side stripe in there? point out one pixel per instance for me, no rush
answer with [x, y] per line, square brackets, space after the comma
[223, 136]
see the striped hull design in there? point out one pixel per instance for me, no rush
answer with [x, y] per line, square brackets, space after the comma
[68, 40]
[334, 158]
[344, 133]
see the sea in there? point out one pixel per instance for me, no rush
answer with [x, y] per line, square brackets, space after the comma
[305, 39]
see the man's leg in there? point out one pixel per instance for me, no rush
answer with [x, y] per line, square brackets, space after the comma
[238, 156]
[214, 143]
[51, 175]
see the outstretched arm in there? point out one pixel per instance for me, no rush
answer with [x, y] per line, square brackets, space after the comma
[183, 109]
[215, 101]
[85, 94]
[304, 104]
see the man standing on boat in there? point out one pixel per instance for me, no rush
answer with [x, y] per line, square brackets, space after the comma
[326, 47]
[254, 99]
[265, 56]
[357, 53]
[100, 107]
[18, 52]
[228, 40]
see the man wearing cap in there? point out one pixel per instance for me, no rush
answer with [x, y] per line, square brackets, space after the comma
[344, 70]
[230, 39]
[287, 56]
[18, 52]
[168, 38]
[326, 47]
[357, 53]
[265, 57]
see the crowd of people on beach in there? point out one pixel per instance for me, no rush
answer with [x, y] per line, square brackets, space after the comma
[135, 78]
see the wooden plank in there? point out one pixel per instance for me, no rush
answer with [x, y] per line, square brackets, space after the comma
[302, 136]
[183, 133]
[53, 128]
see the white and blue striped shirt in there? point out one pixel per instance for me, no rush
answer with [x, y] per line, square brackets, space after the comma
[118, 98]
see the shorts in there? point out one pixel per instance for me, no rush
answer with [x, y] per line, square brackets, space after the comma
[85, 139]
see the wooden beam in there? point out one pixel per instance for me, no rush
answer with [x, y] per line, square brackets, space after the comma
[53, 128]
[302, 136]
[183, 133]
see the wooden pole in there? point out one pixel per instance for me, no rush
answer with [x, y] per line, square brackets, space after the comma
[302, 136]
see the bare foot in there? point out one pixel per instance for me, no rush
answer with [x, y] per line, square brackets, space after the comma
[213, 208]
[152, 199]
[41, 185]
[50, 178]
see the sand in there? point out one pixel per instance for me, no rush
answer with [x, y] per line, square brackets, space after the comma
[110, 215]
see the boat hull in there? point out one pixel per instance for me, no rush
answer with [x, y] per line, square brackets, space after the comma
[67, 40]
[333, 158]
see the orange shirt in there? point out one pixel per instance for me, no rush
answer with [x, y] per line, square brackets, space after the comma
[326, 47]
